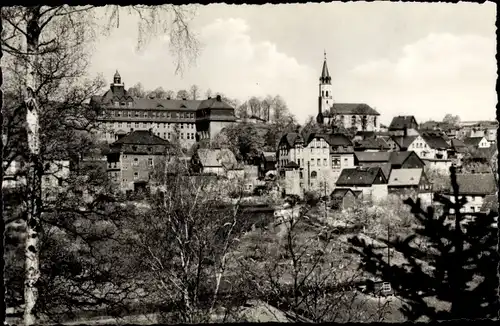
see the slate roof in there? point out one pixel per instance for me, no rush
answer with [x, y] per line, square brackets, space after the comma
[269, 156]
[351, 108]
[402, 122]
[372, 156]
[386, 167]
[403, 141]
[372, 143]
[291, 138]
[458, 145]
[358, 176]
[472, 141]
[141, 137]
[434, 141]
[214, 103]
[338, 139]
[405, 177]
[475, 184]
[216, 157]
[341, 192]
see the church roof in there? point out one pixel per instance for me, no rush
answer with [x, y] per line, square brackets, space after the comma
[352, 108]
[324, 72]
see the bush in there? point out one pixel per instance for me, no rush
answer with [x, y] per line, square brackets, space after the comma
[311, 198]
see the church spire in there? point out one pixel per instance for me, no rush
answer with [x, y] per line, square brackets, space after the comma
[325, 74]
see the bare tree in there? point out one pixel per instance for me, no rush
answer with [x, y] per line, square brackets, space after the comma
[254, 104]
[137, 91]
[194, 92]
[158, 93]
[208, 93]
[182, 94]
[170, 94]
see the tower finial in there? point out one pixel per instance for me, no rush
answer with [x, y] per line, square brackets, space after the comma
[324, 52]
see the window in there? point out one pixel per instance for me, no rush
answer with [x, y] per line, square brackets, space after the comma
[144, 125]
[314, 175]
[150, 161]
[319, 161]
[130, 105]
[182, 135]
[136, 162]
[164, 135]
[168, 135]
[137, 124]
[150, 149]
[136, 113]
[336, 163]
[145, 115]
[325, 162]
[182, 126]
[136, 175]
[123, 103]
[353, 120]
[129, 114]
[119, 124]
[129, 124]
[116, 103]
[326, 93]
[301, 175]
[168, 114]
[312, 162]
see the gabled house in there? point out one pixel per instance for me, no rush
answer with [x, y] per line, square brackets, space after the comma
[372, 145]
[267, 163]
[404, 182]
[389, 160]
[370, 181]
[343, 199]
[474, 187]
[214, 161]
[436, 152]
[404, 125]
[132, 159]
[401, 143]
[476, 142]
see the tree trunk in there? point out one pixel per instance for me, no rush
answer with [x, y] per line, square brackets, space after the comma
[32, 271]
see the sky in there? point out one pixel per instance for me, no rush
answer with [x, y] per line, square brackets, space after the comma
[421, 59]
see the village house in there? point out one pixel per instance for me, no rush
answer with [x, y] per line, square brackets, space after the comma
[184, 120]
[389, 160]
[405, 182]
[487, 129]
[372, 145]
[474, 187]
[358, 116]
[456, 151]
[267, 164]
[435, 154]
[132, 159]
[344, 199]
[219, 162]
[403, 125]
[370, 181]
[476, 142]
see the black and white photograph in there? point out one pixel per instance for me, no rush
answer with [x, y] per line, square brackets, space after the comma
[225, 163]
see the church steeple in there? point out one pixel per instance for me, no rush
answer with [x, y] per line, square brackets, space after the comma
[325, 74]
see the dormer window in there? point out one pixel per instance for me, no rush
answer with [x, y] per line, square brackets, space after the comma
[123, 103]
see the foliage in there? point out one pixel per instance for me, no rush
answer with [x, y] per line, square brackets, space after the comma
[448, 258]
[453, 120]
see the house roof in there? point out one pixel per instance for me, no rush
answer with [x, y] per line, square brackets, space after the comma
[435, 141]
[385, 166]
[341, 192]
[405, 177]
[475, 184]
[359, 176]
[216, 157]
[338, 139]
[472, 141]
[269, 156]
[351, 108]
[291, 138]
[458, 145]
[402, 122]
[403, 141]
[292, 165]
[141, 137]
[366, 134]
[214, 103]
[372, 156]
[372, 143]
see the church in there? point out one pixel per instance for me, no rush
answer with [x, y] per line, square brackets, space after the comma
[360, 116]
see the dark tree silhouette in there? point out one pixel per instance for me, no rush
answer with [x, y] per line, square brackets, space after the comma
[448, 257]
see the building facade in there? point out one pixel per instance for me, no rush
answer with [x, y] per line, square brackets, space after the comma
[170, 119]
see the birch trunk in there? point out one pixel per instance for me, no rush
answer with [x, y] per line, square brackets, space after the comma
[32, 271]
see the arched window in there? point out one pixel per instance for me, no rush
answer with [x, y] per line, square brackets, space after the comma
[313, 175]
[326, 93]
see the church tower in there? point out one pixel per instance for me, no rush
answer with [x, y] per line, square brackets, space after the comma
[325, 98]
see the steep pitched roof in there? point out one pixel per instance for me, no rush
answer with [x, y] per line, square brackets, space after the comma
[359, 176]
[385, 166]
[475, 184]
[372, 143]
[405, 177]
[403, 141]
[372, 156]
[338, 139]
[291, 138]
[402, 122]
[269, 156]
[141, 137]
[352, 108]
[435, 141]
[341, 192]
[458, 145]
[214, 103]
[398, 158]
[325, 74]
[472, 141]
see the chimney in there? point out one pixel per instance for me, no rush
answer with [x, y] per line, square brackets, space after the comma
[219, 98]
[183, 98]
[168, 97]
[210, 97]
